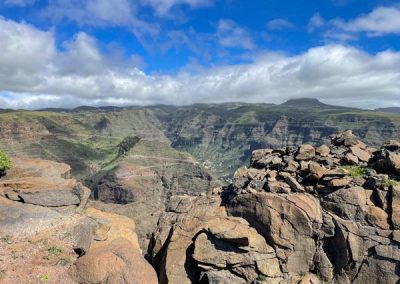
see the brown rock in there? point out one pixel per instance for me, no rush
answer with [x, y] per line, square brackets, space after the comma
[394, 160]
[355, 204]
[305, 152]
[346, 138]
[119, 227]
[390, 252]
[396, 235]
[362, 155]
[337, 172]
[44, 183]
[294, 184]
[278, 187]
[310, 279]
[119, 262]
[287, 224]
[259, 154]
[323, 150]
[292, 166]
[316, 170]
[351, 159]
[339, 182]
[396, 206]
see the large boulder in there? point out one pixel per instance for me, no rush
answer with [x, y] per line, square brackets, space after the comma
[356, 204]
[44, 183]
[288, 222]
[387, 159]
[119, 262]
[204, 243]
[112, 226]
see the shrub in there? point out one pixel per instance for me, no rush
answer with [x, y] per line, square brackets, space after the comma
[5, 163]
[127, 144]
[355, 171]
[261, 278]
[54, 251]
[44, 278]
[389, 182]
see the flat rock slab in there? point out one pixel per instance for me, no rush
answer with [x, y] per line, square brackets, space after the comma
[53, 171]
[26, 219]
[40, 191]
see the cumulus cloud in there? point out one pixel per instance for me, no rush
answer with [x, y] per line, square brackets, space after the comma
[35, 74]
[231, 35]
[381, 21]
[279, 24]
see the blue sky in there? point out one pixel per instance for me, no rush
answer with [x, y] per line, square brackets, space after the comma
[70, 52]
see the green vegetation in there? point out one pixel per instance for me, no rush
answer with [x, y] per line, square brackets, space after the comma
[389, 182]
[355, 171]
[5, 163]
[54, 251]
[44, 278]
[262, 277]
[127, 144]
[220, 136]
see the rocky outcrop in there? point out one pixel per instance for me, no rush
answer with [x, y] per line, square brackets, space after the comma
[116, 262]
[43, 183]
[297, 215]
[48, 236]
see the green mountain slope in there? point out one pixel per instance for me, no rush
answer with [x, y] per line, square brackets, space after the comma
[220, 136]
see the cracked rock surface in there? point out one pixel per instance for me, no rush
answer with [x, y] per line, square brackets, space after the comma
[327, 214]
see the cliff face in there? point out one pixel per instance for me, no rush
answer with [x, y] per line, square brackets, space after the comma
[308, 214]
[223, 136]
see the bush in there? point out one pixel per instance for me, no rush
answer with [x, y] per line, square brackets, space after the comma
[5, 163]
[355, 171]
[389, 182]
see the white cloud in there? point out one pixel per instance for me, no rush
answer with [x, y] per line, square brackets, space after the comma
[279, 24]
[231, 35]
[163, 7]
[34, 74]
[315, 22]
[92, 12]
[21, 3]
[103, 13]
[381, 21]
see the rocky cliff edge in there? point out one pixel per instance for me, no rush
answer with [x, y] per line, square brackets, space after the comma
[47, 235]
[328, 214]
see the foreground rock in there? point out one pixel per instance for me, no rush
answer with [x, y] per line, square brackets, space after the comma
[117, 262]
[46, 236]
[297, 215]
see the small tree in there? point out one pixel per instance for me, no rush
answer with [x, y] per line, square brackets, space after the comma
[5, 163]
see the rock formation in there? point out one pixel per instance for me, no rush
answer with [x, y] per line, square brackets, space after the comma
[46, 235]
[297, 215]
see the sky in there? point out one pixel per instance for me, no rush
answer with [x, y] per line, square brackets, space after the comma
[67, 53]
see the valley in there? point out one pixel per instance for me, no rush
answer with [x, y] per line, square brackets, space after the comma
[135, 158]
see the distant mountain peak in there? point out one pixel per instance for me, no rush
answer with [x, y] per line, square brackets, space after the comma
[303, 102]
